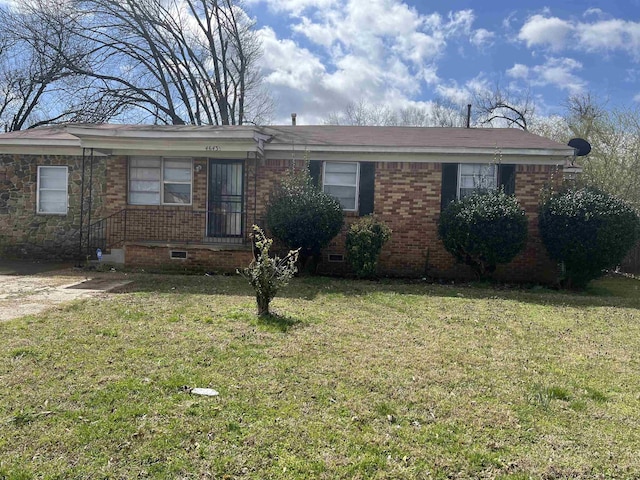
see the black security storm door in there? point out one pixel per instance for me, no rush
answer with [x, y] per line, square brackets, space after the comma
[226, 199]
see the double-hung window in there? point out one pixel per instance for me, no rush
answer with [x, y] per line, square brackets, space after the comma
[53, 194]
[340, 180]
[160, 181]
[476, 176]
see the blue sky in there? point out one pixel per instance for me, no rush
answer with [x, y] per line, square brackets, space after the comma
[321, 54]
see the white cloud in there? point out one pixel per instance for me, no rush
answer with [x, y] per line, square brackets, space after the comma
[518, 71]
[545, 31]
[288, 64]
[636, 98]
[593, 12]
[507, 21]
[461, 95]
[379, 50]
[460, 22]
[482, 38]
[600, 35]
[557, 72]
[430, 75]
[560, 73]
[610, 35]
[454, 93]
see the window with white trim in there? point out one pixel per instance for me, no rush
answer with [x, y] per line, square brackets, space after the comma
[53, 194]
[340, 180]
[476, 176]
[160, 181]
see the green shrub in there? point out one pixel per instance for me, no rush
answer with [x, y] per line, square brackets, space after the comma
[587, 230]
[484, 229]
[365, 239]
[268, 274]
[302, 216]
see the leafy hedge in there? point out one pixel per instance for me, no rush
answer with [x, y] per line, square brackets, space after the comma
[364, 242]
[588, 231]
[484, 230]
[302, 216]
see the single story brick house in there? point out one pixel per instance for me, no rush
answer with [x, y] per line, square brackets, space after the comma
[188, 195]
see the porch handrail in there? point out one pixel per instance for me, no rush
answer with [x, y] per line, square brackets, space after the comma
[105, 234]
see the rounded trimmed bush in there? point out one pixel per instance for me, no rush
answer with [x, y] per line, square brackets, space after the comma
[365, 239]
[588, 231]
[484, 230]
[302, 216]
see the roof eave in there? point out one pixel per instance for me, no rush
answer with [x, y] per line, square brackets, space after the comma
[24, 146]
[208, 142]
[363, 149]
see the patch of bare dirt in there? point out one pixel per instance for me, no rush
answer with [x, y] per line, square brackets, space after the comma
[22, 295]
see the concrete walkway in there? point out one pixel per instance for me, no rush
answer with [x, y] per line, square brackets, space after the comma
[26, 267]
[28, 288]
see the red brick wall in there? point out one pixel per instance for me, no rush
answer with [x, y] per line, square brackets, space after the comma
[533, 263]
[116, 179]
[259, 188]
[198, 257]
[407, 198]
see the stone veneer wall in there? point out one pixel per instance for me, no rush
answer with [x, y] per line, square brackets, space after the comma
[27, 234]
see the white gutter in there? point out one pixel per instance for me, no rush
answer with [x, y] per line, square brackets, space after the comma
[363, 149]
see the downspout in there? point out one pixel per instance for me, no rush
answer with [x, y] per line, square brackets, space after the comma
[255, 192]
[90, 198]
[81, 207]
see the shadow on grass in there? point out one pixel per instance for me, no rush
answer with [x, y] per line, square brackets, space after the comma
[610, 291]
[280, 323]
[272, 322]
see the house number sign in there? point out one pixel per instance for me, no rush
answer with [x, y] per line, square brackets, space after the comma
[212, 148]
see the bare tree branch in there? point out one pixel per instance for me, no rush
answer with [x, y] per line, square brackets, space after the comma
[173, 61]
[502, 107]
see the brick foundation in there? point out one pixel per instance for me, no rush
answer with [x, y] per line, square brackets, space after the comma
[198, 257]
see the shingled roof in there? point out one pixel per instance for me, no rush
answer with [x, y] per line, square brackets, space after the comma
[435, 137]
[316, 138]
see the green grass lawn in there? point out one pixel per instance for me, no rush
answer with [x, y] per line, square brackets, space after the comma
[353, 379]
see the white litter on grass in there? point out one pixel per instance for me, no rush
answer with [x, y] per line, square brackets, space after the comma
[207, 392]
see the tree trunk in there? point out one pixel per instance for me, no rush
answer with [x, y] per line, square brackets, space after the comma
[263, 305]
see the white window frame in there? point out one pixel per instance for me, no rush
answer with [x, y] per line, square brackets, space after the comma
[66, 189]
[495, 176]
[357, 183]
[162, 181]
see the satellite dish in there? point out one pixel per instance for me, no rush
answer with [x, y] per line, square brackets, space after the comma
[581, 146]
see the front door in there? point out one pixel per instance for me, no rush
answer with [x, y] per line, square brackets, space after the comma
[226, 199]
